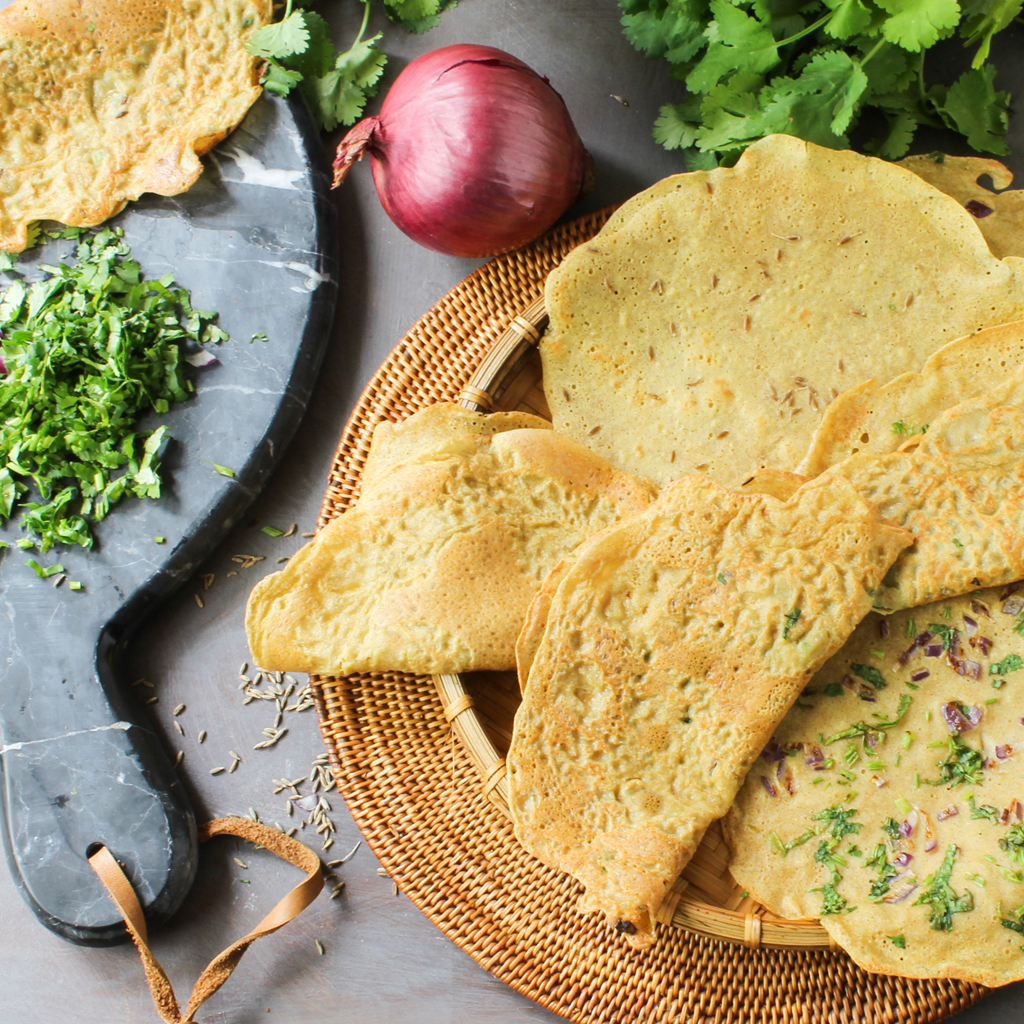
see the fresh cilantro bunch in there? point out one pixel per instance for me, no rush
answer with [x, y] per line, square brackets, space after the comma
[299, 52]
[810, 69]
[87, 349]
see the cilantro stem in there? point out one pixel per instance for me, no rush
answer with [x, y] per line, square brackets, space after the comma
[362, 27]
[799, 35]
[874, 49]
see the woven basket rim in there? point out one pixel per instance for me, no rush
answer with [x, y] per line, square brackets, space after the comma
[689, 976]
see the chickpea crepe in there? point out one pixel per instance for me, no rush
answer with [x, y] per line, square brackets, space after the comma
[461, 517]
[103, 100]
[670, 645]
[889, 801]
[716, 314]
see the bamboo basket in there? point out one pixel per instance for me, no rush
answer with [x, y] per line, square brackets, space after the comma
[420, 762]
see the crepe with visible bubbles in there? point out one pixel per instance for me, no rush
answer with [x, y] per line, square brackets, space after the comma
[890, 800]
[103, 100]
[670, 645]
[710, 322]
[461, 517]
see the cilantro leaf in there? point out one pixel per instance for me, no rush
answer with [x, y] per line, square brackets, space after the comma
[897, 140]
[918, 24]
[281, 39]
[978, 111]
[279, 80]
[983, 19]
[737, 42]
[850, 18]
[676, 33]
[676, 127]
[940, 896]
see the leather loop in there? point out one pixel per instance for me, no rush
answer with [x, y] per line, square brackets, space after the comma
[220, 968]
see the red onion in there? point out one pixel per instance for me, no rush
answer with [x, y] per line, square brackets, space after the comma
[919, 641]
[473, 152]
[768, 786]
[900, 889]
[921, 673]
[1013, 605]
[949, 812]
[980, 608]
[970, 625]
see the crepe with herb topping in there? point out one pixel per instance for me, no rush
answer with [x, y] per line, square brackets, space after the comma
[889, 801]
[715, 315]
[461, 517]
[959, 489]
[881, 417]
[673, 644]
[102, 100]
[999, 215]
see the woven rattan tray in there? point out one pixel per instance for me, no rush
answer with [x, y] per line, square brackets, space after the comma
[419, 761]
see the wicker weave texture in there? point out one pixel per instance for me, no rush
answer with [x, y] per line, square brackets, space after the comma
[419, 801]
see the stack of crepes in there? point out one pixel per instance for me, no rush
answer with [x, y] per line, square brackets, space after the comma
[726, 338]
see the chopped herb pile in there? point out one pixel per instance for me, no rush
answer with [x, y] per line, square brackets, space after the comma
[986, 811]
[869, 674]
[941, 898]
[872, 731]
[88, 349]
[839, 826]
[963, 763]
[754, 67]
[299, 52]
[886, 871]
[1011, 663]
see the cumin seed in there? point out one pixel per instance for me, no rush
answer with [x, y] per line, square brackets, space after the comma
[201, 738]
[218, 770]
[708, 188]
[754, 298]
[672, 457]
[857, 312]
[178, 726]
[724, 433]
[609, 285]
[714, 281]
[565, 395]
[702, 466]
[179, 758]
[656, 286]
[594, 430]
[694, 383]
[319, 947]
[908, 300]
[672, 329]
[746, 323]
[650, 353]
[151, 700]
[179, 710]
[207, 579]
[199, 600]
[240, 863]
[291, 530]
[307, 535]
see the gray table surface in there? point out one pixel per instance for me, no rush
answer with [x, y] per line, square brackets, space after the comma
[382, 960]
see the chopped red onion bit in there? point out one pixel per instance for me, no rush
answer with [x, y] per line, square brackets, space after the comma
[772, 751]
[921, 673]
[970, 625]
[768, 786]
[1003, 751]
[903, 859]
[919, 641]
[956, 721]
[907, 828]
[931, 845]
[1013, 605]
[883, 628]
[933, 650]
[815, 757]
[1017, 808]
[980, 608]
[1004, 816]
[949, 812]
[983, 644]
[899, 892]
[977, 209]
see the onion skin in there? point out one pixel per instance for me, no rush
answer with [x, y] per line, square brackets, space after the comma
[473, 153]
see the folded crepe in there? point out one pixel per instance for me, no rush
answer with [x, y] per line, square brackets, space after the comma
[461, 517]
[717, 313]
[102, 100]
[672, 645]
[888, 802]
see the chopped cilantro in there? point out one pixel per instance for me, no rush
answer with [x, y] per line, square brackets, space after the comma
[869, 674]
[721, 577]
[784, 848]
[1013, 843]
[833, 690]
[159, 540]
[89, 347]
[273, 531]
[891, 827]
[886, 871]
[791, 620]
[911, 628]
[868, 729]
[963, 763]
[940, 897]
[898, 941]
[74, 585]
[1011, 663]
[44, 572]
[984, 811]
[223, 470]
[944, 633]
[831, 901]
[839, 821]
[1018, 626]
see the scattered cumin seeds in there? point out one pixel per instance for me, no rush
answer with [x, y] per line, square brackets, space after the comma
[143, 682]
[724, 433]
[382, 873]
[291, 530]
[179, 758]
[657, 286]
[594, 430]
[180, 709]
[218, 770]
[857, 312]
[708, 187]
[650, 353]
[240, 863]
[232, 573]
[566, 395]
[778, 255]
[177, 725]
[672, 329]
[283, 558]
[702, 466]
[714, 281]
[754, 298]
[785, 238]
[839, 366]
[207, 578]
[337, 890]
[593, 248]
[694, 383]
[202, 736]
[199, 600]
[234, 766]
[672, 457]
[746, 323]
[609, 285]
[908, 300]
[151, 700]
[319, 947]
[833, 393]
[394, 888]
[307, 535]
[237, 757]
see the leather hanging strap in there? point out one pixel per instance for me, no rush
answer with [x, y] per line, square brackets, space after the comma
[220, 968]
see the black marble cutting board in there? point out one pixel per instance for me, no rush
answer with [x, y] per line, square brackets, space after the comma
[79, 761]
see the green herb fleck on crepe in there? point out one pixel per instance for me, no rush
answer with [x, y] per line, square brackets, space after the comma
[986, 811]
[299, 52]
[940, 897]
[898, 941]
[872, 729]
[886, 871]
[791, 620]
[223, 470]
[962, 764]
[869, 674]
[89, 348]
[1011, 663]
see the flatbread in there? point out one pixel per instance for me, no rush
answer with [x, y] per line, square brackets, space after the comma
[715, 315]
[102, 100]
[999, 215]
[959, 489]
[461, 517]
[674, 642]
[803, 772]
[880, 417]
